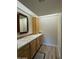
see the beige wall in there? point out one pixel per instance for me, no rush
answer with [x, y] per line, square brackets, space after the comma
[49, 27]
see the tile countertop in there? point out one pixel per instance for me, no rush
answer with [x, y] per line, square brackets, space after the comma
[25, 40]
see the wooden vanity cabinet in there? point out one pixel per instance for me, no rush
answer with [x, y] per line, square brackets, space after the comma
[24, 52]
[28, 51]
[33, 48]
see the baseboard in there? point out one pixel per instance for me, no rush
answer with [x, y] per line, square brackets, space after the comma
[53, 45]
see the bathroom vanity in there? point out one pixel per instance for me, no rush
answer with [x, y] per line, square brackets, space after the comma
[28, 46]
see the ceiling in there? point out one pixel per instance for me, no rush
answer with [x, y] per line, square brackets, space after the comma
[43, 7]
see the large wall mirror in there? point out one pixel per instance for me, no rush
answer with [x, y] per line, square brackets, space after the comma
[22, 23]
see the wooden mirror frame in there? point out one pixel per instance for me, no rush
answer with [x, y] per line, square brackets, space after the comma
[18, 23]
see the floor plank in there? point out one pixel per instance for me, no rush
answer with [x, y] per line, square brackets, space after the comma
[50, 52]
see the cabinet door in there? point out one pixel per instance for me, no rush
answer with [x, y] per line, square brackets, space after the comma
[38, 43]
[41, 40]
[35, 25]
[24, 52]
[33, 48]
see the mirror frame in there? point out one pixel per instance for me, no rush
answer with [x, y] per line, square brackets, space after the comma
[18, 23]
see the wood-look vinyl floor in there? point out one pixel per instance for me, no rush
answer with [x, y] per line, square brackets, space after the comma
[49, 51]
